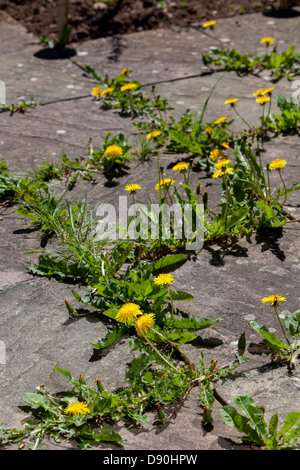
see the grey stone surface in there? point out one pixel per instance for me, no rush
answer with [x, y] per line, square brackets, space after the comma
[27, 76]
[227, 282]
[267, 392]
[45, 133]
[193, 92]
[39, 336]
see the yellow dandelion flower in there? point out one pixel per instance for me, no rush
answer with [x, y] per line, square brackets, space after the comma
[129, 87]
[198, 189]
[218, 173]
[259, 92]
[96, 91]
[231, 101]
[164, 279]
[209, 24]
[106, 91]
[209, 130]
[222, 171]
[164, 182]
[144, 323]
[181, 166]
[153, 134]
[216, 154]
[273, 299]
[263, 91]
[76, 408]
[267, 41]
[113, 151]
[220, 119]
[222, 163]
[263, 99]
[124, 71]
[229, 169]
[132, 187]
[128, 312]
[267, 90]
[225, 145]
[277, 164]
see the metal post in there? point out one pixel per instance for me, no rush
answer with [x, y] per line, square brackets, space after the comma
[62, 17]
[284, 4]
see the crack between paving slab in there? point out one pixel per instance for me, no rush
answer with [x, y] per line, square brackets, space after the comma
[177, 79]
[46, 138]
[282, 276]
[61, 100]
[197, 27]
[157, 82]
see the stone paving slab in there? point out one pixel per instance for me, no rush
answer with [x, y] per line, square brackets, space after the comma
[17, 236]
[226, 281]
[192, 94]
[39, 336]
[177, 53]
[245, 31]
[46, 132]
[38, 312]
[27, 76]
[154, 56]
[274, 396]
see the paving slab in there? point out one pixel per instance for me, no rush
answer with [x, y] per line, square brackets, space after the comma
[153, 56]
[245, 31]
[46, 132]
[38, 338]
[18, 237]
[267, 392]
[177, 52]
[227, 281]
[28, 74]
[192, 94]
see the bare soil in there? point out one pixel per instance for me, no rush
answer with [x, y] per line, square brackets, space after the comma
[92, 19]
